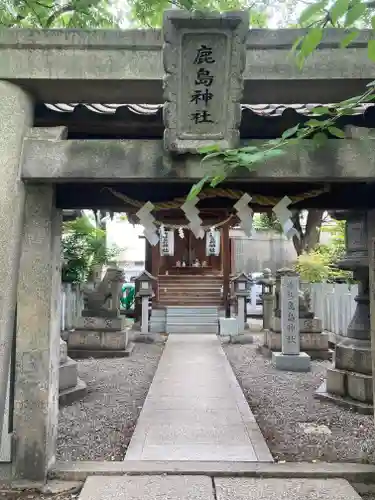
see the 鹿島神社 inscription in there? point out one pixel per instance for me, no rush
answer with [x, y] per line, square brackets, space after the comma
[205, 112]
[204, 59]
[290, 341]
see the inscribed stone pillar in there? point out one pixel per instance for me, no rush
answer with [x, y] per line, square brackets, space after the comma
[290, 359]
[350, 379]
[38, 336]
[312, 340]
[16, 113]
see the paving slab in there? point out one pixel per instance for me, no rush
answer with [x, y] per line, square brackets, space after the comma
[195, 409]
[148, 488]
[284, 489]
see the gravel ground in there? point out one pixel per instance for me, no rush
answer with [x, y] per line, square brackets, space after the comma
[28, 495]
[100, 426]
[283, 404]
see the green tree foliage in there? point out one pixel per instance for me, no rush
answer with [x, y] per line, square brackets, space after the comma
[84, 246]
[317, 15]
[266, 222]
[308, 232]
[320, 264]
[108, 14]
[57, 14]
[150, 12]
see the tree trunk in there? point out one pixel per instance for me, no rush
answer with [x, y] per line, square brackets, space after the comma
[308, 238]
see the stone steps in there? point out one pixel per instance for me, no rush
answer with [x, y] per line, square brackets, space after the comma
[199, 487]
[190, 290]
[192, 320]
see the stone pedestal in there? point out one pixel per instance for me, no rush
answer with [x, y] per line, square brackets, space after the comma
[291, 362]
[312, 339]
[71, 387]
[349, 381]
[99, 337]
[228, 327]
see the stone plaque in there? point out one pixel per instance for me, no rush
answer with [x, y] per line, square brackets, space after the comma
[204, 58]
[290, 342]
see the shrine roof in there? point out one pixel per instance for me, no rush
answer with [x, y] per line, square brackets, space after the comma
[153, 109]
[145, 121]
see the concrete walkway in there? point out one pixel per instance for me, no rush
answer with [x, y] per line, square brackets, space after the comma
[195, 409]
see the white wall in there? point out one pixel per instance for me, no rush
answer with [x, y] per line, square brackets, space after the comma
[262, 250]
[334, 304]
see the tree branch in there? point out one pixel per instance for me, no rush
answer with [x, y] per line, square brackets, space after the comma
[57, 13]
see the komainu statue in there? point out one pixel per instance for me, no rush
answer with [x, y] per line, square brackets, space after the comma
[104, 300]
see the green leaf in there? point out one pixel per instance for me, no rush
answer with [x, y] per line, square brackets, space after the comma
[296, 44]
[319, 139]
[290, 132]
[321, 110]
[354, 13]
[272, 153]
[293, 141]
[212, 148]
[371, 50]
[217, 180]
[337, 132]
[197, 188]
[349, 39]
[371, 84]
[247, 159]
[348, 102]
[275, 142]
[249, 149]
[212, 155]
[311, 41]
[300, 60]
[311, 11]
[340, 7]
[314, 123]
[373, 22]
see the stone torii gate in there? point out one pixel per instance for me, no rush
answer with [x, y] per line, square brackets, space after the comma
[44, 170]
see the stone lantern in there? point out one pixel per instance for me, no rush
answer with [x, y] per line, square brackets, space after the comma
[350, 378]
[268, 298]
[145, 293]
[241, 291]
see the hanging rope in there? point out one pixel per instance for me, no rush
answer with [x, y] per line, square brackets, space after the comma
[205, 228]
[219, 193]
